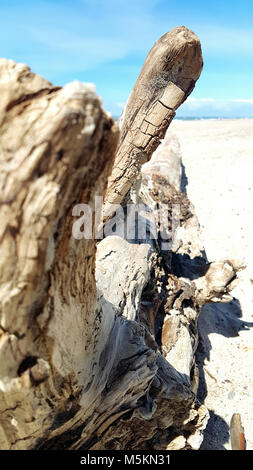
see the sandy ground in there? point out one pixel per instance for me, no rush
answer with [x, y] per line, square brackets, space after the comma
[218, 160]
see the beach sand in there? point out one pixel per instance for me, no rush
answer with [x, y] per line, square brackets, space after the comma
[218, 160]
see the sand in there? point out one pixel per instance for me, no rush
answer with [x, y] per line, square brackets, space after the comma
[218, 160]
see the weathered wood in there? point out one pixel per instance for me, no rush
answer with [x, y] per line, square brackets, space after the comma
[163, 290]
[57, 146]
[98, 355]
[168, 76]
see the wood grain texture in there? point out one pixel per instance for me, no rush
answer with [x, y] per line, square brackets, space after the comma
[97, 340]
[168, 76]
[57, 146]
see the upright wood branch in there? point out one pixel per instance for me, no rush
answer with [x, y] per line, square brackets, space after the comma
[168, 76]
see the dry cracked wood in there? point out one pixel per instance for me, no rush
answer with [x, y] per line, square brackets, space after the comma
[168, 76]
[163, 291]
[105, 363]
[73, 372]
[191, 279]
[57, 146]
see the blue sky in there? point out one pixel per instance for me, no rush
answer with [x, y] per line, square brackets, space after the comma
[106, 42]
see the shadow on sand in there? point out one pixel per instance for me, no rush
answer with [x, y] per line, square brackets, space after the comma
[222, 319]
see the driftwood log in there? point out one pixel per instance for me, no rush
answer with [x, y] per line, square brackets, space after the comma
[97, 339]
[168, 76]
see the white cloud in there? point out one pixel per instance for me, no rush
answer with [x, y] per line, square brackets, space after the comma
[211, 107]
[216, 102]
[243, 101]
